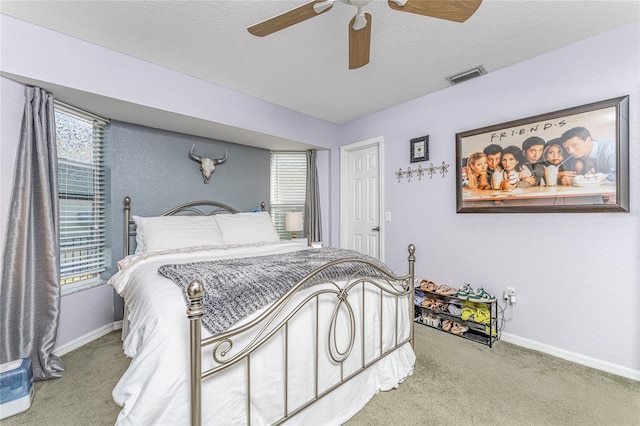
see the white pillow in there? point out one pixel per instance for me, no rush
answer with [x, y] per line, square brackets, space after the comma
[175, 232]
[140, 248]
[247, 228]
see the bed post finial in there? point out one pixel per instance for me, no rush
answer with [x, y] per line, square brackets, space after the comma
[412, 260]
[127, 218]
[195, 291]
[263, 206]
[195, 310]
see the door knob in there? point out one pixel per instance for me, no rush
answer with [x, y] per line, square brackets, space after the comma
[377, 228]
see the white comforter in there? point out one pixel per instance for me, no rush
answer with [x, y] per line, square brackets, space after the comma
[155, 388]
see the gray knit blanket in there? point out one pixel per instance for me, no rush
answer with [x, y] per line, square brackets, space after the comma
[235, 288]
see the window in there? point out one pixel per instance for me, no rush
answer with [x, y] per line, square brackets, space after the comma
[81, 190]
[288, 186]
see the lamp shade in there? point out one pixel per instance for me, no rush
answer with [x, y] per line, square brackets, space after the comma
[293, 221]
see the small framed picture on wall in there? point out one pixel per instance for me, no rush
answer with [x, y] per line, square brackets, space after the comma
[420, 149]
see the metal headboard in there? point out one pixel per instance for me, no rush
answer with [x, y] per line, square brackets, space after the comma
[193, 208]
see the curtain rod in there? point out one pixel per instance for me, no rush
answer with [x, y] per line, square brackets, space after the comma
[80, 111]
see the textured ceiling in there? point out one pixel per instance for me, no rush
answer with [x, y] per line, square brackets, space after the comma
[305, 67]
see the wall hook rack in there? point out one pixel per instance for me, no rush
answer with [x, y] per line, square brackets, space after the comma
[420, 172]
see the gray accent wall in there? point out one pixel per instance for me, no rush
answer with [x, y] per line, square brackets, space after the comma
[153, 167]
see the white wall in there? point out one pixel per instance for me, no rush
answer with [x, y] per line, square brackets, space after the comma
[576, 275]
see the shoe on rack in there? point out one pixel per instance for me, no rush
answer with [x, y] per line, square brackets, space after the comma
[445, 290]
[426, 285]
[455, 328]
[446, 325]
[429, 303]
[480, 295]
[482, 315]
[428, 320]
[464, 291]
[458, 328]
[467, 314]
[454, 310]
[435, 322]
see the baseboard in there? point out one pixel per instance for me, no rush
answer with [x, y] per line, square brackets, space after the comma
[83, 340]
[572, 356]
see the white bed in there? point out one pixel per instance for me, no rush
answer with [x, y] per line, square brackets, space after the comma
[157, 389]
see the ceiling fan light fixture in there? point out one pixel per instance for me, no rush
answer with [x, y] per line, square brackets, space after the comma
[466, 75]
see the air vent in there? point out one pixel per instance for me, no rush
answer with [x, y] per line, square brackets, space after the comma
[467, 75]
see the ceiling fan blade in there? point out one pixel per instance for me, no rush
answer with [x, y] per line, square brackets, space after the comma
[359, 43]
[289, 18]
[451, 10]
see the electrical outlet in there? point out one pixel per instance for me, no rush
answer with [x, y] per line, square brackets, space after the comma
[510, 294]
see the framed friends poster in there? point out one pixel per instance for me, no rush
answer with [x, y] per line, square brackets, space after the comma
[572, 160]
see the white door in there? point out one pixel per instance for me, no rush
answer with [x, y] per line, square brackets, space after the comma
[361, 227]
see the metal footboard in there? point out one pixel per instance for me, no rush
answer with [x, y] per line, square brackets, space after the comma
[276, 319]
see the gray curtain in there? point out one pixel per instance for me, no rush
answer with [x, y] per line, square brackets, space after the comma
[312, 217]
[30, 290]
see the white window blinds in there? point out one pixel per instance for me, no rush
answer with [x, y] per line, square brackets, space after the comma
[81, 190]
[288, 187]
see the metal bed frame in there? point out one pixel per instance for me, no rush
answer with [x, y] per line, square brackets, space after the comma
[277, 317]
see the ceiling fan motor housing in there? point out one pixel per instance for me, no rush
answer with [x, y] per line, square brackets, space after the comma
[357, 3]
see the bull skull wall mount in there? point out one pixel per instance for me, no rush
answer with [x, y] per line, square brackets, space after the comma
[207, 165]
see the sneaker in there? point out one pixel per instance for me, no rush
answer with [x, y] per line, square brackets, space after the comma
[464, 292]
[480, 295]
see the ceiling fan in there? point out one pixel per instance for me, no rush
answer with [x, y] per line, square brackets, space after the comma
[360, 25]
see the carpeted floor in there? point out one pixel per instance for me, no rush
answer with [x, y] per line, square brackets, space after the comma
[83, 395]
[456, 381]
[460, 382]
